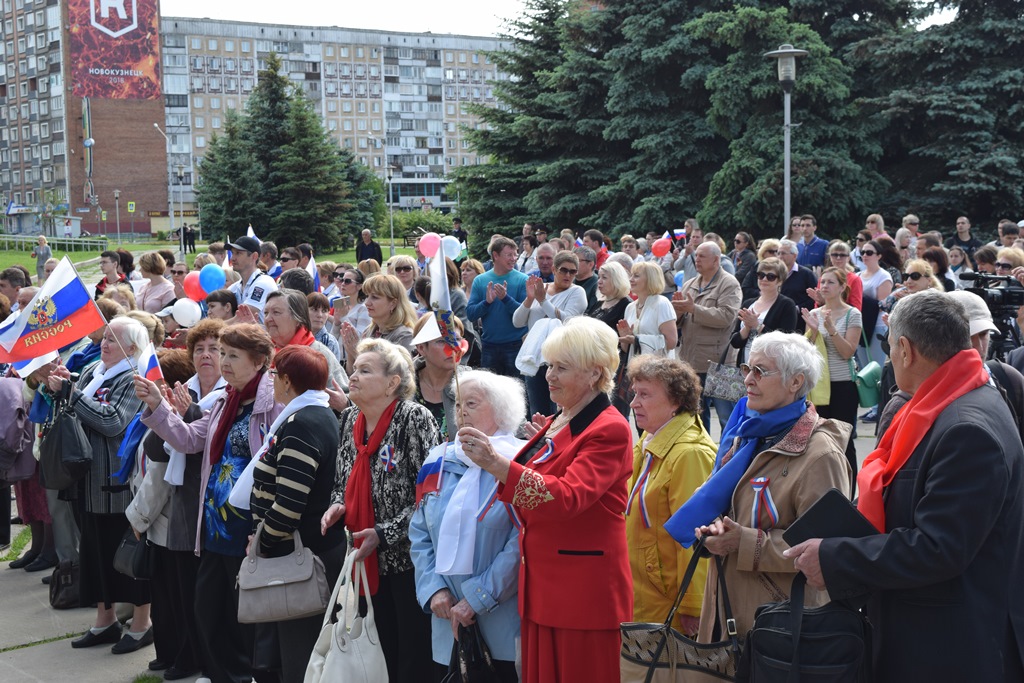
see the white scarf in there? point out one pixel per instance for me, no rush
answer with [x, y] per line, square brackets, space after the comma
[101, 373]
[242, 490]
[175, 473]
[456, 537]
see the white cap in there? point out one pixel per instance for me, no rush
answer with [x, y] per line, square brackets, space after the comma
[977, 312]
[165, 312]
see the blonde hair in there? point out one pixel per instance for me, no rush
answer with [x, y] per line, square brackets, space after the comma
[925, 269]
[122, 290]
[391, 288]
[403, 260]
[202, 260]
[368, 267]
[397, 361]
[152, 262]
[654, 277]
[154, 326]
[1013, 254]
[619, 278]
[586, 343]
[765, 245]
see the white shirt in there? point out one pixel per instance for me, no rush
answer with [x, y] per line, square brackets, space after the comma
[255, 291]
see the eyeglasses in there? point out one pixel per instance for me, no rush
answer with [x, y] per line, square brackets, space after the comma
[403, 269]
[839, 254]
[1004, 266]
[285, 259]
[913, 223]
[868, 253]
[759, 372]
[272, 372]
[771, 252]
[912, 276]
[737, 241]
[770, 277]
[179, 272]
[567, 271]
[861, 239]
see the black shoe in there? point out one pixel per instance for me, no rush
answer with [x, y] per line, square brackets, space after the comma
[158, 665]
[41, 564]
[24, 561]
[16, 520]
[130, 644]
[46, 579]
[110, 634]
[174, 673]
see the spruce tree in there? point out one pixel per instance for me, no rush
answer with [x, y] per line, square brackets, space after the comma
[229, 189]
[266, 128]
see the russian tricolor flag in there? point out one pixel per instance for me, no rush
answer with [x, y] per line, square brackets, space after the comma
[149, 365]
[579, 241]
[314, 273]
[429, 478]
[61, 312]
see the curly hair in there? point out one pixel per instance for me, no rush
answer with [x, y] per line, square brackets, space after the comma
[679, 380]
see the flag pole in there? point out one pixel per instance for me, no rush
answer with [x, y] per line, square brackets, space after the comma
[99, 310]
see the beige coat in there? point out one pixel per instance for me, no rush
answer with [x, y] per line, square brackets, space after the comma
[805, 464]
[705, 333]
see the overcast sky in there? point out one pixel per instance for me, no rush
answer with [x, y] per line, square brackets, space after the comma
[465, 18]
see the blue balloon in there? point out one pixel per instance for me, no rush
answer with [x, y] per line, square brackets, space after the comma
[212, 278]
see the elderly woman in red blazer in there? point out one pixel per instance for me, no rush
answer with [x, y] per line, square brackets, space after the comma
[567, 489]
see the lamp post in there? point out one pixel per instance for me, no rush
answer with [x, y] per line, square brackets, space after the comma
[117, 210]
[170, 188]
[391, 209]
[786, 56]
[180, 169]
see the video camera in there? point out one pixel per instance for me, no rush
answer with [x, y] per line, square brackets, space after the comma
[1003, 296]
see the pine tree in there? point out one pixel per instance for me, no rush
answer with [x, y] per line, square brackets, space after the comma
[229, 189]
[266, 129]
[366, 200]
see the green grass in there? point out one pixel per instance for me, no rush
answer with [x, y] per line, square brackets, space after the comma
[17, 545]
[148, 678]
[48, 640]
[349, 256]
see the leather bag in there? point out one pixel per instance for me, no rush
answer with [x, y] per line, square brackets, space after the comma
[471, 660]
[64, 586]
[65, 454]
[658, 653]
[134, 557]
[790, 643]
[16, 460]
[344, 652]
[281, 588]
[723, 381]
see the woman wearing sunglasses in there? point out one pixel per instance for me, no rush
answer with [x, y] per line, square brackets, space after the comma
[767, 312]
[348, 307]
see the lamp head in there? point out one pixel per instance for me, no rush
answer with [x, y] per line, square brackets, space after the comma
[89, 142]
[786, 56]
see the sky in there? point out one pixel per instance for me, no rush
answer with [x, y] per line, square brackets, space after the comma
[461, 17]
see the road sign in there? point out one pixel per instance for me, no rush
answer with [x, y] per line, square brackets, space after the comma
[131, 207]
[103, 216]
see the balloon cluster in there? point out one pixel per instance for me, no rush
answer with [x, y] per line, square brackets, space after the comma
[206, 281]
[449, 245]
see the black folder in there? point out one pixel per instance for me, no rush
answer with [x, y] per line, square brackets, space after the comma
[833, 516]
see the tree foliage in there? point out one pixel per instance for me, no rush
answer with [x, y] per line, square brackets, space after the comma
[228, 188]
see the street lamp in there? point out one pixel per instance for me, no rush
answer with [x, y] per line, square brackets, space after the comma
[117, 209]
[181, 203]
[170, 187]
[786, 56]
[391, 208]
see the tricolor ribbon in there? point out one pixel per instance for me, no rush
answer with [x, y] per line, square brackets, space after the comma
[492, 497]
[549, 450]
[763, 502]
[387, 456]
[640, 489]
[513, 515]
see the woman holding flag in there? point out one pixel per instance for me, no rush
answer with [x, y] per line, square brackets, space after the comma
[465, 546]
[385, 437]
[105, 402]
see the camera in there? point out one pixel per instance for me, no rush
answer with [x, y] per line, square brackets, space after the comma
[1003, 296]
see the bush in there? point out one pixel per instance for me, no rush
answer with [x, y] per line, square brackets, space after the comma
[161, 235]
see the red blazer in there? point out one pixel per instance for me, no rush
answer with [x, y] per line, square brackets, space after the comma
[574, 570]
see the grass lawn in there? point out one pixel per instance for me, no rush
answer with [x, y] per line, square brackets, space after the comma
[349, 256]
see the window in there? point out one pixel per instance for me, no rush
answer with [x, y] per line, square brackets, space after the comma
[214, 122]
[449, 57]
[332, 125]
[246, 46]
[44, 130]
[476, 58]
[197, 43]
[332, 105]
[462, 58]
[359, 53]
[214, 103]
[329, 51]
[346, 107]
[200, 141]
[229, 46]
[197, 102]
[344, 52]
[199, 122]
[211, 44]
[46, 154]
[346, 125]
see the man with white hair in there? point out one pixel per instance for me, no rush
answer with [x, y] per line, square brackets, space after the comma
[706, 308]
[368, 249]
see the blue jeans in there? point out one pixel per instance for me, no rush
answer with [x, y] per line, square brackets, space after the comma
[538, 394]
[501, 358]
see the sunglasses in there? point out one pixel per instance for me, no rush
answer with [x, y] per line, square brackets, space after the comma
[739, 242]
[869, 253]
[861, 239]
[839, 254]
[1004, 266]
[759, 372]
[912, 276]
[349, 281]
[913, 223]
[770, 277]
[771, 252]
[403, 269]
[285, 259]
[338, 276]
[567, 271]
[179, 272]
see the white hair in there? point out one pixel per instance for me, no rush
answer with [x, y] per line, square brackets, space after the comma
[505, 395]
[130, 332]
[793, 355]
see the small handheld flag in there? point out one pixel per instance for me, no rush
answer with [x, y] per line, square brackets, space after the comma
[149, 365]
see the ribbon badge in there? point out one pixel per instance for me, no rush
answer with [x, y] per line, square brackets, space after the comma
[763, 504]
[546, 453]
[492, 498]
[387, 456]
[640, 489]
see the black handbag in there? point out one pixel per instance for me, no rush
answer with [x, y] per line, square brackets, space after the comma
[789, 643]
[134, 557]
[64, 586]
[471, 660]
[65, 454]
[655, 652]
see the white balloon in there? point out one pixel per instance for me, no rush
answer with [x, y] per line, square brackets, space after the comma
[186, 312]
[451, 246]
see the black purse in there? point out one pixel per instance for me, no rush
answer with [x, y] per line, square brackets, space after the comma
[471, 660]
[134, 557]
[65, 454]
[64, 586]
[789, 642]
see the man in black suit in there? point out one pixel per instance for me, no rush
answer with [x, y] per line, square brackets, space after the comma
[367, 249]
[799, 280]
[943, 578]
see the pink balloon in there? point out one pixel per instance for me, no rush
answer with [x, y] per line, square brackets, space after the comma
[661, 247]
[429, 244]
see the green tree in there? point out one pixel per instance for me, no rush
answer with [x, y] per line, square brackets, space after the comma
[308, 177]
[366, 199]
[266, 130]
[228, 188]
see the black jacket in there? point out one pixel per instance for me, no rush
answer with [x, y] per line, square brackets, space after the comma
[367, 251]
[782, 316]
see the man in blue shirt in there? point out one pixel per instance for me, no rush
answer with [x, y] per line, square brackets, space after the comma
[495, 296]
[545, 257]
[813, 249]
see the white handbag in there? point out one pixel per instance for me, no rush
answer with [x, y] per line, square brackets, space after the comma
[348, 653]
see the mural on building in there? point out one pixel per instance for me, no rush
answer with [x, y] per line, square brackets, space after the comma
[115, 49]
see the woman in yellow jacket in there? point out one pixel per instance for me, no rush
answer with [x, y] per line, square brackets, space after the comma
[674, 456]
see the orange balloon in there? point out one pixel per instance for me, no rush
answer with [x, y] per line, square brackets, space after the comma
[661, 247]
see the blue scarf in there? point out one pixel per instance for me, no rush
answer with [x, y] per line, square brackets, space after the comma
[129, 448]
[79, 359]
[713, 498]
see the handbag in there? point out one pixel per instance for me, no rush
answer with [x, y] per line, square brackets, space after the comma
[471, 660]
[723, 381]
[64, 586]
[656, 652]
[134, 557]
[868, 380]
[343, 652]
[789, 642]
[16, 460]
[65, 454]
[281, 588]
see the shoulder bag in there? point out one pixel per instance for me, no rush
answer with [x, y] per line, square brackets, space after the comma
[280, 588]
[868, 380]
[65, 454]
[64, 586]
[471, 660]
[790, 643]
[344, 652]
[134, 557]
[725, 381]
[657, 653]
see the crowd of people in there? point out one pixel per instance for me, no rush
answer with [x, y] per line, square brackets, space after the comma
[552, 477]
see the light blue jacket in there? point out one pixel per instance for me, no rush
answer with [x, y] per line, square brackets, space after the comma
[492, 589]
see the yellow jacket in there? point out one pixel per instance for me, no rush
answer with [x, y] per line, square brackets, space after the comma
[682, 455]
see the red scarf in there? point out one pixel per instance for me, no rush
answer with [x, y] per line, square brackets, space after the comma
[359, 513]
[961, 374]
[227, 417]
[302, 337]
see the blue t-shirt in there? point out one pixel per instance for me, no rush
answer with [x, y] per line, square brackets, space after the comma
[226, 529]
[812, 255]
[497, 316]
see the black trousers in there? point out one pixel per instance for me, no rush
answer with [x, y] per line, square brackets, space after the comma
[174, 619]
[100, 582]
[5, 515]
[225, 645]
[506, 672]
[404, 629]
[843, 406]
